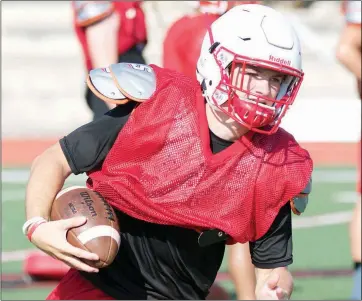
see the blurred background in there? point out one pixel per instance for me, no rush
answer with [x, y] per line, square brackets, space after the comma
[43, 82]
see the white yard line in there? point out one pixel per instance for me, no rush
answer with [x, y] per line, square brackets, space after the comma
[346, 197]
[21, 176]
[18, 255]
[327, 219]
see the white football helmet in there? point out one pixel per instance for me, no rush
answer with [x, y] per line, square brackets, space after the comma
[256, 35]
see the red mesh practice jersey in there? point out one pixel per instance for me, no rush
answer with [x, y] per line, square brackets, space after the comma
[166, 172]
[132, 29]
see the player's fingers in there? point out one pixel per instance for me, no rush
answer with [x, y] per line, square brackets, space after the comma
[77, 264]
[50, 254]
[77, 252]
[273, 281]
[281, 294]
[73, 222]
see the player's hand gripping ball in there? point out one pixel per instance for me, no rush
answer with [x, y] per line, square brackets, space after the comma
[100, 234]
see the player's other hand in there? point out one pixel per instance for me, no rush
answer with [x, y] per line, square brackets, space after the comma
[271, 291]
[51, 237]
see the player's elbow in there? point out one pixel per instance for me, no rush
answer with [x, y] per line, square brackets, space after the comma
[52, 157]
[102, 39]
[346, 49]
[291, 282]
[342, 52]
[286, 278]
[109, 25]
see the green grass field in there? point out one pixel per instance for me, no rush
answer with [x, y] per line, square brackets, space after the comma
[320, 235]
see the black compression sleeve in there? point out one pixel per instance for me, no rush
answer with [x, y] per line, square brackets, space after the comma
[275, 248]
[86, 147]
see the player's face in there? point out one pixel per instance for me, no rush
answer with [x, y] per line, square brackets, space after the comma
[259, 81]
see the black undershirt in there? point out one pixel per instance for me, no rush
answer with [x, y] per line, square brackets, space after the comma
[157, 261]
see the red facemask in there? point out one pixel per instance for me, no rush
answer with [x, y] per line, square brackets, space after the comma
[255, 114]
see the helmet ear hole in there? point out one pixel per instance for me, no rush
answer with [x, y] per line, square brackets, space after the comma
[213, 47]
[228, 69]
[203, 86]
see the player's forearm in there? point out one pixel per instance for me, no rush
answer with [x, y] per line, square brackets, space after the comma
[285, 279]
[350, 57]
[242, 271]
[348, 50]
[355, 233]
[102, 39]
[47, 176]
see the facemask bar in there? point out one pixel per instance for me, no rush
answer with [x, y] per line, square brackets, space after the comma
[254, 114]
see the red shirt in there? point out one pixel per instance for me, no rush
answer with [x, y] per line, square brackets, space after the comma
[182, 44]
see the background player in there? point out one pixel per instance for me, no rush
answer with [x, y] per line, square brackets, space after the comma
[109, 32]
[349, 54]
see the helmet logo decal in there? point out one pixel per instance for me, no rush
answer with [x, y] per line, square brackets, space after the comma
[105, 70]
[279, 60]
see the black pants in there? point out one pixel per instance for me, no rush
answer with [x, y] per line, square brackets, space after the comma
[98, 106]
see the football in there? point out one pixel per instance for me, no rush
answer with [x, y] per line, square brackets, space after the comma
[100, 234]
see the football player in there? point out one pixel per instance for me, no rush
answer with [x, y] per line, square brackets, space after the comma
[109, 32]
[181, 51]
[189, 166]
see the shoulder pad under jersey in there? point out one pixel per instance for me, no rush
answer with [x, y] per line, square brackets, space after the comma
[89, 12]
[300, 202]
[353, 12]
[123, 81]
